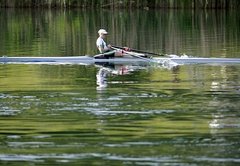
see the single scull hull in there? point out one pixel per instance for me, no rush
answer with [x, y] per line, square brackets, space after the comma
[120, 60]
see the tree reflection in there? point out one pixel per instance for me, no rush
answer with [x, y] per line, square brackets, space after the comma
[62, 32]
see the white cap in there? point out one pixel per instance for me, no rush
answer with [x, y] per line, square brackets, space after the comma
[102, 31]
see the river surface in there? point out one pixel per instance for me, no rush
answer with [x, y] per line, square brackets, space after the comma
[119, 115]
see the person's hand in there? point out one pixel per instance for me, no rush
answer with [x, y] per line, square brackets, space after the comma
[109, 46]
[127, 49]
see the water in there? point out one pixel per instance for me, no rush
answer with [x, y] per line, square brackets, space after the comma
[149, 115]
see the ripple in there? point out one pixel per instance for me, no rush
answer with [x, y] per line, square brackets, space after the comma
[29, 144]
[13, 136]
[7, 111]
[224, 123]
[80, 99]
[220, 160]
[6, 96]
[29, 97]
[41, 136]
[131, 144]
[108, 111]
[67, 157]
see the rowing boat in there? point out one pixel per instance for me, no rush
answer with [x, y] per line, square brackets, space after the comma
[116, 60]
[68, 60]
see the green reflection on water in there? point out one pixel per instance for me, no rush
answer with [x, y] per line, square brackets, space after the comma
[73, 32]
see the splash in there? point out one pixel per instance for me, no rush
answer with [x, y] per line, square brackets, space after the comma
[167, 63]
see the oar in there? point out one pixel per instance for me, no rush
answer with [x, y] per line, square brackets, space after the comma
[133, 55]
[140, 51]
[102, 54]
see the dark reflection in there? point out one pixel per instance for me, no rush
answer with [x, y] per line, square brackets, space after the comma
[175, 73]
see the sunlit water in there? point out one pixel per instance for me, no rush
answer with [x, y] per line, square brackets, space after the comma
[120, 115]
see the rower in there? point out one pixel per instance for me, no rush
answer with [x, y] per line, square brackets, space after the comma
[105, 50]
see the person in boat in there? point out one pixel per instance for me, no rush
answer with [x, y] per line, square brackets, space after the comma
[105, 50]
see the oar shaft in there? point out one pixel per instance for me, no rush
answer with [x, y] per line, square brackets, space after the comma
[140, 51]
[132, 54]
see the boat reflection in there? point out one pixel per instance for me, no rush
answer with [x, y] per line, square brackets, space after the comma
[110, 69]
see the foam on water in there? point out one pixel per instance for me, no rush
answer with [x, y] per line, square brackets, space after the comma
[168, 63]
